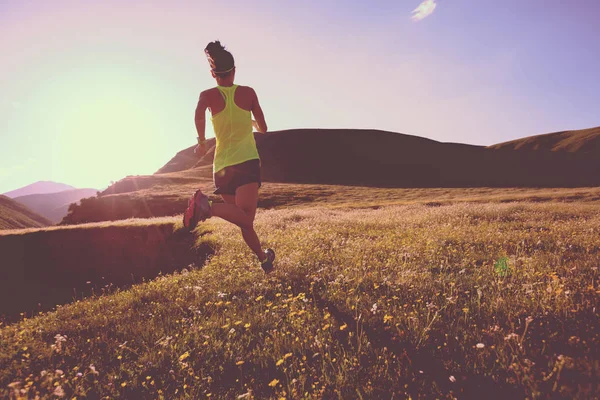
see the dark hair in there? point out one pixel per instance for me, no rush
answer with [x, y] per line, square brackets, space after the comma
[220, 60]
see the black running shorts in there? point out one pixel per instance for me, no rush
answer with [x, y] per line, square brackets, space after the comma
[230, 178]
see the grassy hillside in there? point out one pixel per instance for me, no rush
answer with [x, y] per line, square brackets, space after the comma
[585, 141]
[54, 206]
[464, 300]
[388, 159]
[167, 194]
[14, 215]
[313, 162]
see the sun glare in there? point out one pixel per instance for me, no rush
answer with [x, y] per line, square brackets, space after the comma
[107, 121]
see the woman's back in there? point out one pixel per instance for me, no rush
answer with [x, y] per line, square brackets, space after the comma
[232, 124]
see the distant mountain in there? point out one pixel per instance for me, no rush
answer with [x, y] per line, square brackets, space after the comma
[41, 187]
[54, 206]
[15, 215]
[584, 141]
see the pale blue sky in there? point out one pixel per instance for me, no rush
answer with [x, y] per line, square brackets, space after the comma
[93, 91]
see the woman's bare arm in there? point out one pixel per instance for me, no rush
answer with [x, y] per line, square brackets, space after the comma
[200, 115]
[200, 121]
[259, 118]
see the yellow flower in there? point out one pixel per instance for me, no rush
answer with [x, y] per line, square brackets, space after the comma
[259, 298]
[274, 382]
[239, 363]
[184, 356]
[278, 363]
[247, 326]
[387, 318]
[288, 355]
[326, 327]
[343, 327]
[123, 384]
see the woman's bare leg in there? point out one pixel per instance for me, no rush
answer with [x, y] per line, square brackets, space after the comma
[241, 210]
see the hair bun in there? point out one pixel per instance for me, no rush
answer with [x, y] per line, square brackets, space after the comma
[214, 48]
[220, 60]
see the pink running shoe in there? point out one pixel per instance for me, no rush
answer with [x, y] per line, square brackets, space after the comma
[198, 210]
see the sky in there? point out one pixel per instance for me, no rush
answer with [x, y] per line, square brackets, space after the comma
[91, 92]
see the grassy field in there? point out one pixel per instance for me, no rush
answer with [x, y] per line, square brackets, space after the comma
[412, 301]
[168, 194]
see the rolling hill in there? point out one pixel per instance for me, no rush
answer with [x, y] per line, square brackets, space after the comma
[585, 141]
[332, 160]
[54, 206]
[41, 187]
[387, 159]
[14, 215]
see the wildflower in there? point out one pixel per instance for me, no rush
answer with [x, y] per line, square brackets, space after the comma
[123, 384]
[221, 294]
[93, 369]
[232, 331]
[480, 345]
[374, 308]
[343, 327]
[247, 326]
[184, 356]
[387, 318]
[59, 392]
[452, 378]
[259, 298]
[274, 382]
[278, 363]
[239, 362]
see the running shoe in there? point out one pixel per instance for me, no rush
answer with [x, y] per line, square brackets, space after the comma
[198, 210]
[267, 265]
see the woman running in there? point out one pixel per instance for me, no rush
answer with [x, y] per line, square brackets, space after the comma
[236, 166]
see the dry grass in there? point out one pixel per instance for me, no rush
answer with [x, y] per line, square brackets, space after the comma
[462, 300]
[131, 222]
[14, 215]
[168, 196]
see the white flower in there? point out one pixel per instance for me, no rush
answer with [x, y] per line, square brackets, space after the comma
[59, 392]
[480, 345]
[374, 308]
[231, 331]
[452, 378]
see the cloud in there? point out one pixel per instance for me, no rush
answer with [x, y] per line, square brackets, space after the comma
[424, 10]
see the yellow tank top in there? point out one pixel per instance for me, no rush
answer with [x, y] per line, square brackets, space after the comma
[234, 133]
